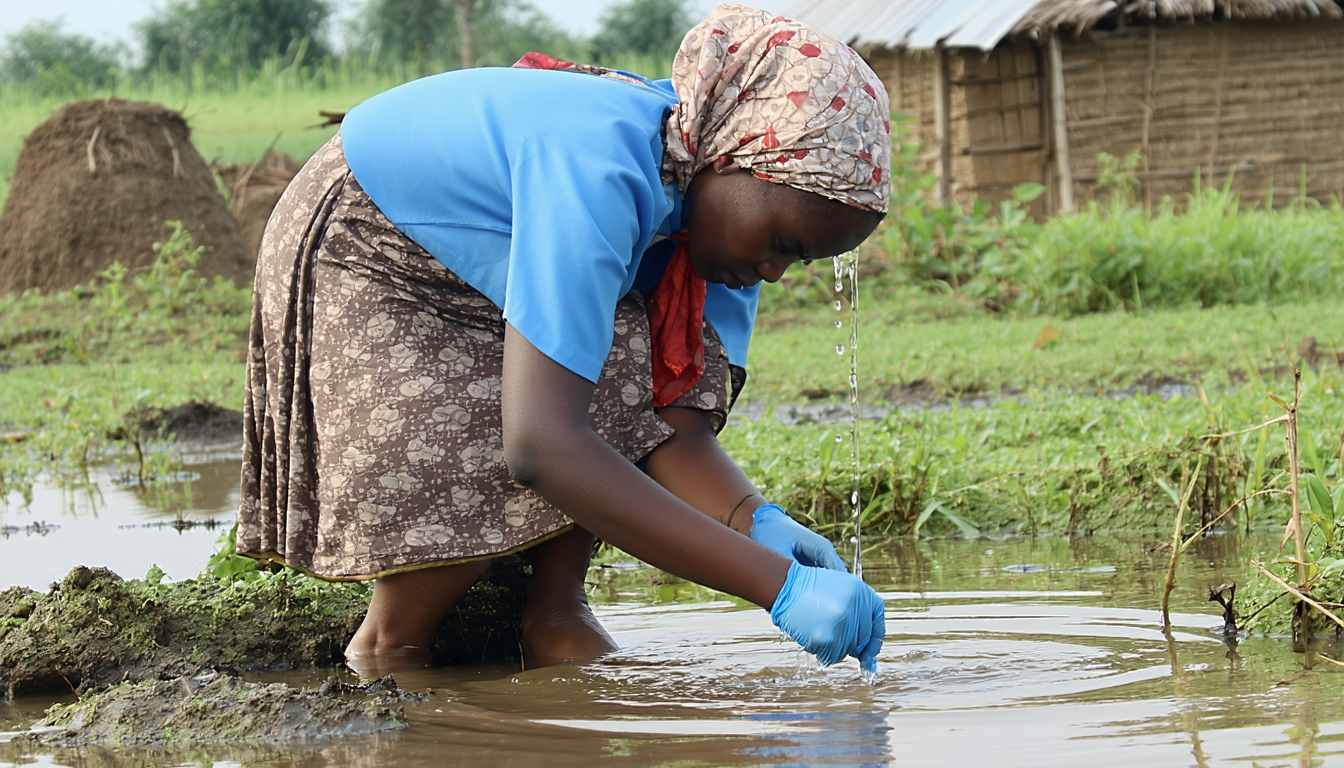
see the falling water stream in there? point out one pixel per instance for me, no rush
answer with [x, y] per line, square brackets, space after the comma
[847, 284]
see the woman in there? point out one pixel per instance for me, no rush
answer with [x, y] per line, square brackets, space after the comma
[509, 308]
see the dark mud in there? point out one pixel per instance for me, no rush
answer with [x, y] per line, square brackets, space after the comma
[215, 708]
[193, 425]
[95, 629]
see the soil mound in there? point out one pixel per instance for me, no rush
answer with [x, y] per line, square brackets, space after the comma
[255, 188]
[94, 185]
[95, 629]
[194, 425]
[217, 709]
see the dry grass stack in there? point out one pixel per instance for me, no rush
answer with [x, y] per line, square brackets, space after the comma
[94, 185]
[254, 190]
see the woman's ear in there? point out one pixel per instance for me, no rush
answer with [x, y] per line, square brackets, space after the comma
[724, 165]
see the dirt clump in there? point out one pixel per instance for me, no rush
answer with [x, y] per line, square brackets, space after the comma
[95, 629]
[194, 424]
[94, 185]
[255, 188]
[215, 708]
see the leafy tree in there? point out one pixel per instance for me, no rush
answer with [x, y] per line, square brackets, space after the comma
[642, 27]
[234, 33]
[433, 35]
[40, 56]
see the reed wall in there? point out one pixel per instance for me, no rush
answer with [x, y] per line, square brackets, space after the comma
[1259, 102]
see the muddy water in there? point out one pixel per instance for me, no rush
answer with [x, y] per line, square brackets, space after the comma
[1025, 652]
[107, 519]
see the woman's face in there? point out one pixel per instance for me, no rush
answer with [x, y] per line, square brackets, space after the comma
[744, 229]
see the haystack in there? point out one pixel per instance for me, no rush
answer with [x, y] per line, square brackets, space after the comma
[255, 188]
[94, 185]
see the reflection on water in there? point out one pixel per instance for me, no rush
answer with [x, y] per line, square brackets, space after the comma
[1024, 652]
[105, 521]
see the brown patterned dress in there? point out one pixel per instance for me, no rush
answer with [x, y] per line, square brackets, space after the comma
[373, 441]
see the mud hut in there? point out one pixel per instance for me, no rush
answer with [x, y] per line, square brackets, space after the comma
[1004, 92]
[94, 185]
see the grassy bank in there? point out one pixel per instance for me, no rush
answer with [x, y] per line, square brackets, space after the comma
[1069, 440]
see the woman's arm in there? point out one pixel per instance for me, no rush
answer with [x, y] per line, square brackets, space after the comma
[694, 467]
[550, 447]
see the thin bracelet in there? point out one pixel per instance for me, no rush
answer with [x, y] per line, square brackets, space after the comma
[733, 514]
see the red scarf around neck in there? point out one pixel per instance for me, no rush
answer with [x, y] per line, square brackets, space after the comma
[676, 323]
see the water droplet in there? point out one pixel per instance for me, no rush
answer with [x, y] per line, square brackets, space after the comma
[853, 380]
[853, 539]
[839, 349]
[839, 287]
[839, 324]
[838, 438]
[838, 305]
[854, 498]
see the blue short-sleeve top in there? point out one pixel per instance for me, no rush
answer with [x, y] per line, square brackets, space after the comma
[542, 190]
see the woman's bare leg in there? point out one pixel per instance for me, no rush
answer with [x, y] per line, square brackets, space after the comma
[405, 610]
[558, 625]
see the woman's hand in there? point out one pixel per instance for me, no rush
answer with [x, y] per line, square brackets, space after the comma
[832, 615]
[772, 527]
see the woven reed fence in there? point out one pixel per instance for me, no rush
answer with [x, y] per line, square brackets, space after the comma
[1260, 100]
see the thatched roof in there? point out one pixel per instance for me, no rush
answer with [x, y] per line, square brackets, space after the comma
[1081, 15]
[924, 24]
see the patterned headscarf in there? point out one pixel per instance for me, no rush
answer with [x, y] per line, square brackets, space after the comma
[786, 101]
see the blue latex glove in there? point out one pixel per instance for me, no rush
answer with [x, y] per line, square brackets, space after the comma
[772, 527]
[832, 615]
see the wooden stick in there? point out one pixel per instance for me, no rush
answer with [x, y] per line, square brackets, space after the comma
[1218, 115]
[1149, 84]
[1294, 529]
[942, 112]
[93, 166]
[177, 158]
[1298, 594]
[1271, 422]
[1063, 162]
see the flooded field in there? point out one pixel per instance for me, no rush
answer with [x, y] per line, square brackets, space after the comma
[1018, 652]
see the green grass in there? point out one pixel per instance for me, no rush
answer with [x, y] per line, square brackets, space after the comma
[959, 350]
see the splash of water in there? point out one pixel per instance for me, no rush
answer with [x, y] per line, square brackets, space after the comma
[847, 284]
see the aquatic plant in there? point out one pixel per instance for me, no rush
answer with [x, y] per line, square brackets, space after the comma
[1313, 574]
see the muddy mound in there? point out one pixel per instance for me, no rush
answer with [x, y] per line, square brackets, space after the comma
[217, 709]
[255, 188]
[94, 185]
[193, 424]
[94, 629]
